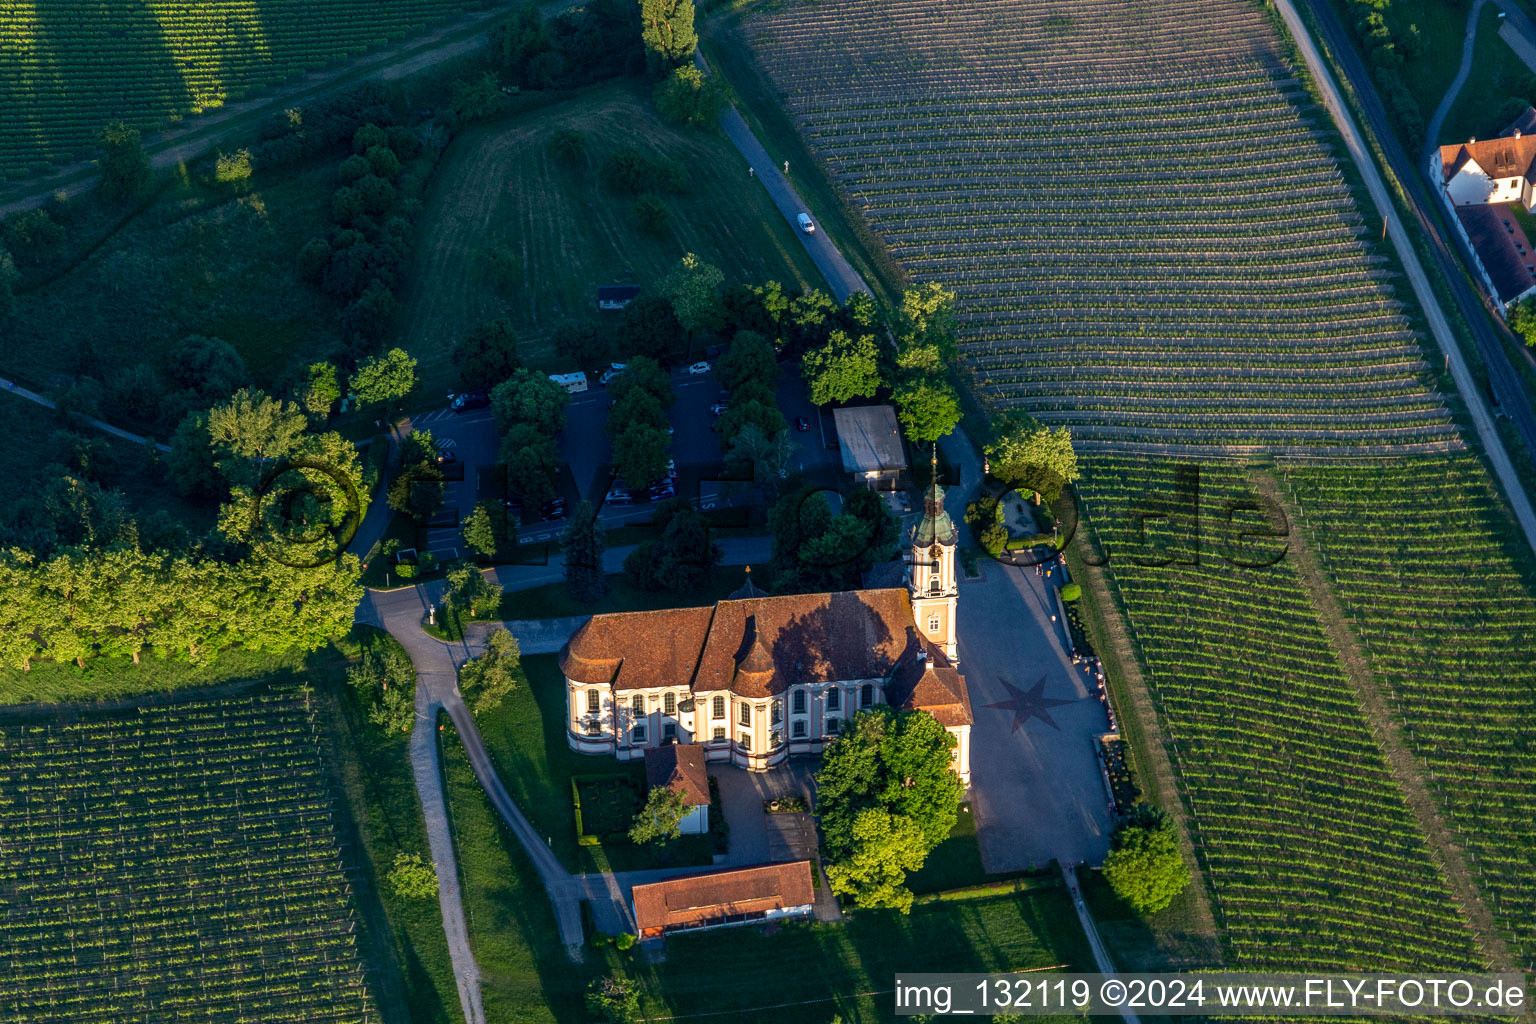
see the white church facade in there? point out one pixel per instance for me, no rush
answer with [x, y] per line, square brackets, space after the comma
[756, 678]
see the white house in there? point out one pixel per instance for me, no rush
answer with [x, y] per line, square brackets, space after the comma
[1477, 173]
[1481, 181]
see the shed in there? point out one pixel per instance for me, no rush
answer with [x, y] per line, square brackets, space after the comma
[680, 766]
[616, 296]
[718, 899]
[871, 445]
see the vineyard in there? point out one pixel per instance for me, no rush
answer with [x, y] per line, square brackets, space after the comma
[174, 863]
[67, 67]
[1138, 205]
[1314, 858]
[1439, 590]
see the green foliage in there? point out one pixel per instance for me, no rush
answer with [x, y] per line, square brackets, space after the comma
[872, 871]
[680, 559]
[530, 457]
[192, 464]
[569, 146]
[581, 342]
[888, 794]
[750, 406]
[768, 455]
[8, 275]
[485, 528]
[614, 999]
[124, 166]
[320, 390]
[624, 942]
[815, 551]
[487, 354]
[583, 543]
[486, 680]
[1072, 592]
[750, 359]
[668, 33]
[1144, 867]
[383, 162]
[412, 879]
[843, 369]
[644, 374]
[1028, 455]
[475, 99]
[384, 682]
[251, 429]
[650, 328]
[687, 97]
[366, 137]
[651, 214]
[417, 491]
[630, 172]
[384, 379]
[640, 454]
[1522, 320]
[232, 167]
[502, 266]
[469, 590]
[529, 397]
[661, 818]
[32, 235]
[928, 408]
[693, 287]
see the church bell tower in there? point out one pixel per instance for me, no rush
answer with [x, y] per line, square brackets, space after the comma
[932, 580]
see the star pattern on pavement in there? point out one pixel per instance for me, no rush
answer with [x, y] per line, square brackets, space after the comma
[1027, 705]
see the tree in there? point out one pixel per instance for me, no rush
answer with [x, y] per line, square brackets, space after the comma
[640, 454]
[660, 820]
[750, 358]
[475, 99]
[383, 379]
[485, 528]
[530, 458]
[469, 590]
[809, 317]
[582, 342]
[583, 544]
[767, 454]
[1034, 456]
[614, 1000]
[642, 373]
[688, 98]
[1144, 867]
[927, 317]
[756, 410]
[124, 167]
[842, 369]
[232, 167]
[418, 491]
[568, 145]
[208, 369]
[8, 276]
[192, 464]
[320, 390]
[893, 761]
[412, 879]
[650, 327]
[928, 408]
[383, 162]
[33, 235]
[251, 429]
[531, 398]
[1522, 320]
[487, 679]
[651, 214]
[487, 354]
[680, 557]
[384, 684]
[667, 32]
[693, 287]
[882, 848]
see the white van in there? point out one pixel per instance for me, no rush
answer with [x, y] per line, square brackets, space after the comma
[572, 382]
[806, 224]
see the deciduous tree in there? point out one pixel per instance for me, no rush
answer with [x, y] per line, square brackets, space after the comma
[413, 879]
[1144, 867]
[487, 354]
[531, 398]
[486, 680]
[842, 369]
[693, 287]
[384, 379]
[668, 33]
[927, 407]
[749, 358]
[882, 848]
[583, 543]
[124, 167]
[660, 820]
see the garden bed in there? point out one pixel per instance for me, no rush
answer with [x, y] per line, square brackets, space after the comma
[1115, 760]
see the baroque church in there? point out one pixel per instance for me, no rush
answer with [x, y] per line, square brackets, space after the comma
[756, 678]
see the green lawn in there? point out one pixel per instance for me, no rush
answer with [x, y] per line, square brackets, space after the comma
[955, 862]
[1167, 940]
[50, 682]
[404, 944]
[524, 972]
[526, 739]
[1497, 74]
[498, 185]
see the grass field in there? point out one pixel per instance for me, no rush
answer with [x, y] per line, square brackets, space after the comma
[196, 260]
[499, 186]
[1497, 74]
[1441, 26]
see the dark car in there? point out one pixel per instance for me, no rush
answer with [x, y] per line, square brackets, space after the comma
[553, 509]
[447, 456]
[801, 423]
[470, 400]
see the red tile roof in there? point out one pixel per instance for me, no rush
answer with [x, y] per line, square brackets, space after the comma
[634, 650]
[930, 684]
[1499, 158]
[679, 766]
[713, 896]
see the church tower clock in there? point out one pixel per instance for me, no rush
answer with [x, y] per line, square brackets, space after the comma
[933, 581]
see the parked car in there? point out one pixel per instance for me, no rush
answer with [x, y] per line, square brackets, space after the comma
[801, 423]
[618, 496]
[470, 400]
[699, 367]
[446, 456]
[806, 224]
[718, 409]
[611, 374]
[661, 490]
[552, 509]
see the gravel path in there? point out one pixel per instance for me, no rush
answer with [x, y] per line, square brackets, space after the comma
[1432, 133]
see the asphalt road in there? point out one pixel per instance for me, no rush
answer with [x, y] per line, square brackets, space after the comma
[1508, 392]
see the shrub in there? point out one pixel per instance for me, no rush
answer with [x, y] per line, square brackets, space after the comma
[651, 214]
[313, 259]
[625, 941]
[568, 146]
[405, 570]
[403, 141]
[368, 136]
[1071, 592]
[383, 162]
[234, 166]
[353, 169]
[413, 879]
